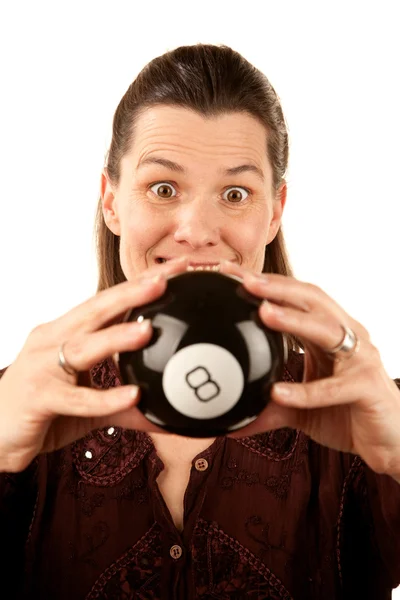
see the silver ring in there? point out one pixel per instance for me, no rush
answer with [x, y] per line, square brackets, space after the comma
[349, 345]
[64, 363]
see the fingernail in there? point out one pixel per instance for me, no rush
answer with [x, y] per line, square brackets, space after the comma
[227, 263]
[144, 326]
[257, 278]
[282, 390]
[174, 261]
[152, 279]
[272, 309]
[125, 395]
[131, 392]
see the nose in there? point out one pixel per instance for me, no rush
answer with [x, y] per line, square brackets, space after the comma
[197, 224]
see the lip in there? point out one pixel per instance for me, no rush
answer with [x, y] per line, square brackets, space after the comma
[203, 263]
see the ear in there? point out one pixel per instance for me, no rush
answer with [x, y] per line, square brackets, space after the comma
[109, 204]
[277, 211]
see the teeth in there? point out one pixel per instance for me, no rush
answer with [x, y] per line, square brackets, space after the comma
[203, 268]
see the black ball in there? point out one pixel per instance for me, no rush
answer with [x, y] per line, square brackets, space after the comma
[211, 362]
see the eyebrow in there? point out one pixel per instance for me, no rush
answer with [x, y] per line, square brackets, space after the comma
[173, 166]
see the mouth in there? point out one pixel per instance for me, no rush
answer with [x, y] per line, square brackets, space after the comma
[195, 266]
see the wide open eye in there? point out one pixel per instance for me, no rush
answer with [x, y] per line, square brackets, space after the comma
[163, 190]
[235, 195]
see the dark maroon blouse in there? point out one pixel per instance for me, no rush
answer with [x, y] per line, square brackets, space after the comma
[274, 515]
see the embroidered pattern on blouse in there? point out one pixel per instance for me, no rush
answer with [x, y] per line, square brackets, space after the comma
[278, 486]
[88, 500]
[104, 374]
[105, 456]
[94, 539]
[136, 574]
[105, 460]
[276, 445]
[223, 568]
[259, 531]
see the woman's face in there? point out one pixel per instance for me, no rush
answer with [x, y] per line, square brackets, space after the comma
[187, 203]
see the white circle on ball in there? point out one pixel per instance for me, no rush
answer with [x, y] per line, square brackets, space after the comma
[203, 381]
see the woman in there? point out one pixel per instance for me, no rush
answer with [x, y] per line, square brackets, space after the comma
[96, 502]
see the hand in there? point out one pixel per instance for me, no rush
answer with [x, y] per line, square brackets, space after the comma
[351, 405]
[41, 406]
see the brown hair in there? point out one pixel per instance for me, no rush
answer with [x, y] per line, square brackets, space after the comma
[210, 80]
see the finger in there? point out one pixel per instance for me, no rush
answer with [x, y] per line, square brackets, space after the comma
[285, 290]
[74, 401]
[133, 418]
[65, 430]
[306, 298]
[84, 352]
[172, 267]
[232, 268]
[331, 391]
[291, 292]
[115, 301]
[321, 330]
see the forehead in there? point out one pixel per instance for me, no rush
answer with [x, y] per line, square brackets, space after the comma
[181, 131]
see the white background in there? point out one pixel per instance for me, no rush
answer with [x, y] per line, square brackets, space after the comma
[335, 66]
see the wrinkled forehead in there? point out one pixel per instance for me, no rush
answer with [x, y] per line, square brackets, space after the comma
[223, 140]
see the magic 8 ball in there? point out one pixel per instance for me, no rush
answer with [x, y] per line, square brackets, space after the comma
[211, 362]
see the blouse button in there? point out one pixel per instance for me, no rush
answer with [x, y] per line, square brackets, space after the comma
[201, 464]
[175, 551]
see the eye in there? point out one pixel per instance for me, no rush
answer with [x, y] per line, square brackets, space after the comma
[236, 196]
[163, 189]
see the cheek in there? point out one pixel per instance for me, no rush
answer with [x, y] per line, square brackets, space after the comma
[141, 230]
[249, 238]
